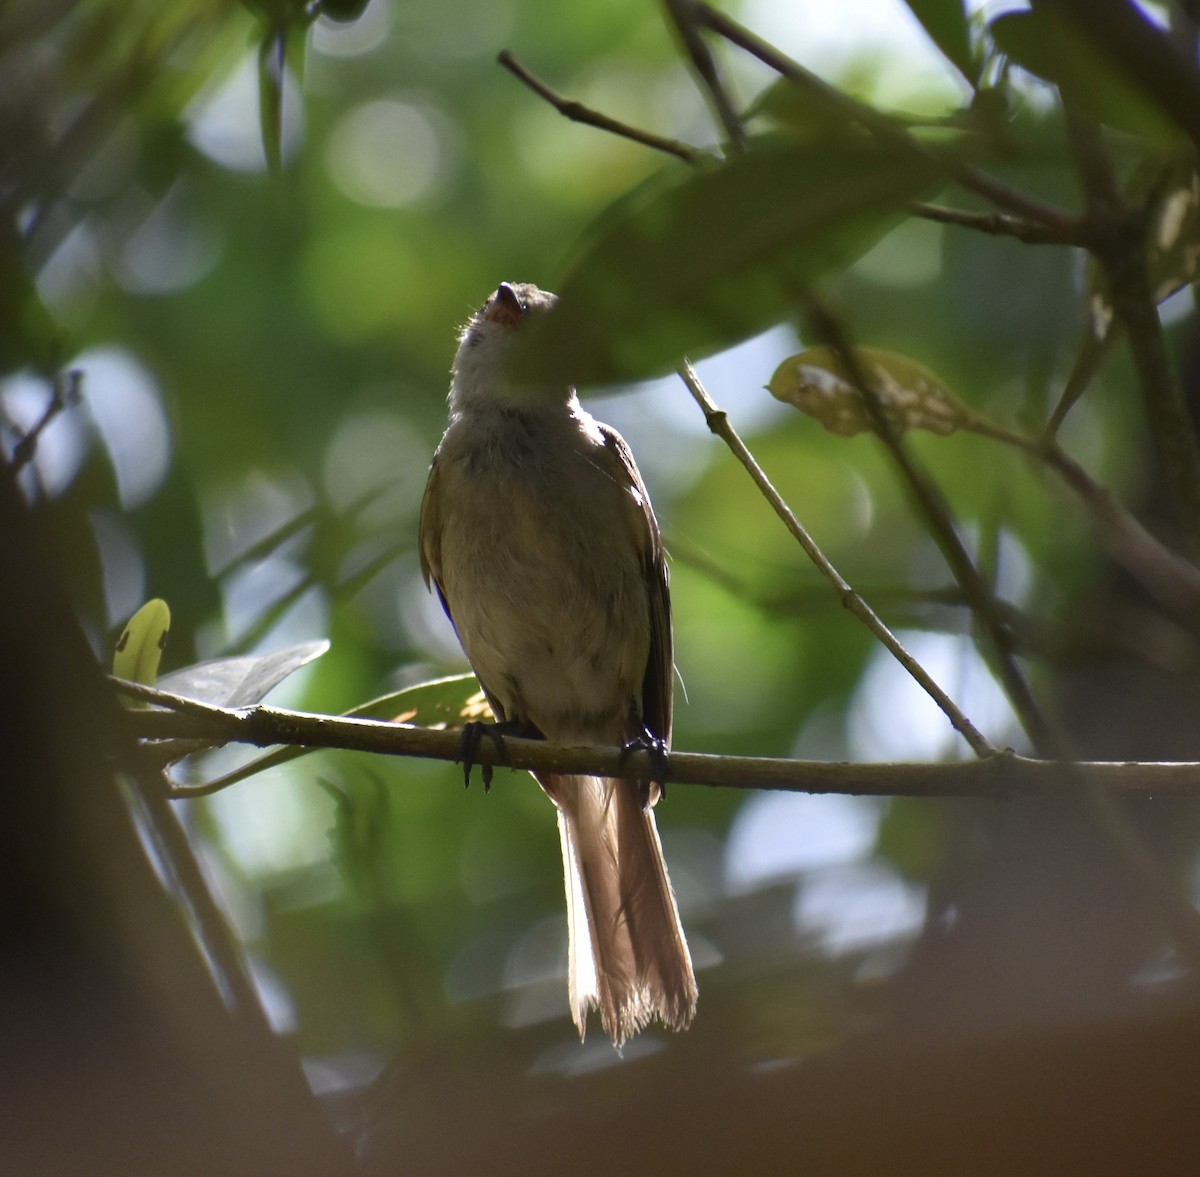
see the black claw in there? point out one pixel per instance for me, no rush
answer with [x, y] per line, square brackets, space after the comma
[468, 746]
[468, 750]
[656, 748]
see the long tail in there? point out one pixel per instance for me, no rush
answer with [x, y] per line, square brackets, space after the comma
[628, 955]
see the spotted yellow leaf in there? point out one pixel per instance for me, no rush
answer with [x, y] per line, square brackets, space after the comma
[911, 396]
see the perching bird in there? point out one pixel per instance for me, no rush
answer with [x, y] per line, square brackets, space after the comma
[538, 534]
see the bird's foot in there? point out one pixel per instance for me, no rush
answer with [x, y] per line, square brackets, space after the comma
[472, 736]
[656, 748]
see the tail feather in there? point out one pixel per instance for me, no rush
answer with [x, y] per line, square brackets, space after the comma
[628, 954]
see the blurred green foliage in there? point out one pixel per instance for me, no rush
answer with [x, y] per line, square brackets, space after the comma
[273, 349]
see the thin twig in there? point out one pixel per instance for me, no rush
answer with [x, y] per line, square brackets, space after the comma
[65, 392]
[1172, 580]
[990, 777]
[682, 14]
[718, 422]
[578, 113]
[805, 597]
[1093, 349]
[939, 519]
[177, 859]
[1002, 225]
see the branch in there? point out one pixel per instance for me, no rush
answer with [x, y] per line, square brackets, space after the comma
[1094, 348]
[683, 15]
[992, 777]
[939, 519]
[1095, 786]
[1003, 225]
[578, 113]
[802, 597]
[1170, 578]
[1029, 219]
[65, 392]
[718, 422]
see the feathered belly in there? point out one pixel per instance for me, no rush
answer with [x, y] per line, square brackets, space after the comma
[554, 617]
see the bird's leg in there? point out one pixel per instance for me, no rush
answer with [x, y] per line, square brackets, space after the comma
[473, 733]
[644, 740]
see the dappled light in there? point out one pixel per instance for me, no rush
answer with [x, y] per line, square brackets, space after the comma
[958, 527]
[392, 152]
[57, 461]
[125, 406]
[892, 719]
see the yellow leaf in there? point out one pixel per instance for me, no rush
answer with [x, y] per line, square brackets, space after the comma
[911, 396]
[142, 642]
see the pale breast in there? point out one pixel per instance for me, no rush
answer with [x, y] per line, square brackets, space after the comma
[542, 574]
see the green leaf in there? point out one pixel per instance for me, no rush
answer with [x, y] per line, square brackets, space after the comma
[439, 703]
[696, 261]
[1052, 48]
[805, 113]
[242, 681]
[343, 11]
[946, 23]
[911, 396]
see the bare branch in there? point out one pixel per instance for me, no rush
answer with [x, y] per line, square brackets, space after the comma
[1002, 225]
[1090, 356]
[992, 777]
[64, 393]
[578, 113]
[718, 422]
[939, 519]
[1173, 580]
[683, 15]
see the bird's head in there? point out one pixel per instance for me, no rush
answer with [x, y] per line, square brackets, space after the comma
[485, 343]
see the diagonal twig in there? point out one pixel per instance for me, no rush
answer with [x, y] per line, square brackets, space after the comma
[683, 15]
[579, 113]
[65, 392]
[718, 422]
[937, 515]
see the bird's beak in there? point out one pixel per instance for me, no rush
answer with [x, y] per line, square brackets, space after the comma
[507, 307]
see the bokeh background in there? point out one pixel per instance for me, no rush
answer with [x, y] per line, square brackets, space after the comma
[904, 985]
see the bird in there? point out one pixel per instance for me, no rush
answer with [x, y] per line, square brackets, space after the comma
[537, 533]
